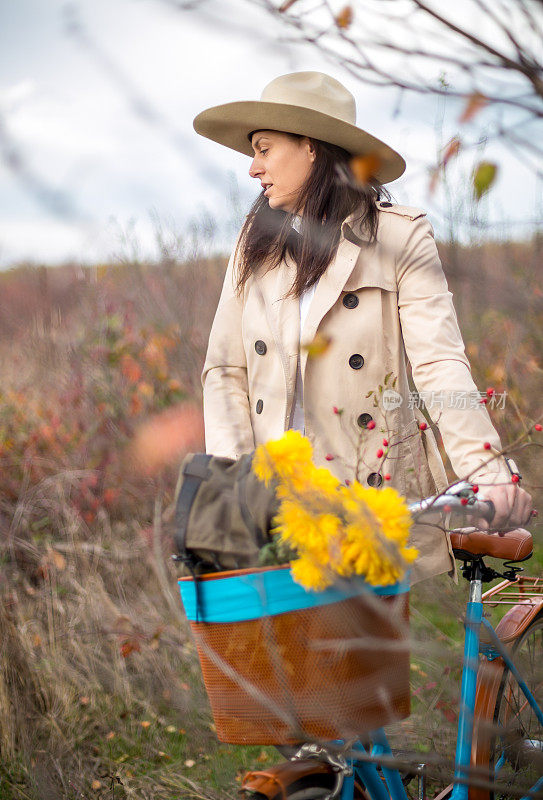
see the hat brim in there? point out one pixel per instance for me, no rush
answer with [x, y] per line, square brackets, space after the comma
[231, 123]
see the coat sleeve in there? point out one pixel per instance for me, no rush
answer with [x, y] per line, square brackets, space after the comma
[228, 429]
[435, 349]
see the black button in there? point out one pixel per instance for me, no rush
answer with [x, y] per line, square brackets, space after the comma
[385, 205]
[374, 479]
[356, 361]
[260, 347]
[259, 407]
[363, 420]
[350, 300]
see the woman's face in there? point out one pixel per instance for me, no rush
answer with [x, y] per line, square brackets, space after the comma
[281, 163]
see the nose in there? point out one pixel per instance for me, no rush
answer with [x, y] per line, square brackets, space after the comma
[255, 169]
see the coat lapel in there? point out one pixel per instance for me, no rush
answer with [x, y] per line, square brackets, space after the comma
[331, 285]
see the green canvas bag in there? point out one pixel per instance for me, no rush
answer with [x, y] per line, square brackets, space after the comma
[223, 514]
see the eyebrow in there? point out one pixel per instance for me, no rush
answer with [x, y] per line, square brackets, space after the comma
[258, 141]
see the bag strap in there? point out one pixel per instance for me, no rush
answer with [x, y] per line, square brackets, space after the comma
[194, 473]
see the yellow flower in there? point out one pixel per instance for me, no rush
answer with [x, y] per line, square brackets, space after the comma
[335, 529]
[282, 458]
[309, 574]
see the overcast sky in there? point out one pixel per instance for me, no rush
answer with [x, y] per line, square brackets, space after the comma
[97, 147]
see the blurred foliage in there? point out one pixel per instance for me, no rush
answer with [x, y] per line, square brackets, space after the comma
[94, 643]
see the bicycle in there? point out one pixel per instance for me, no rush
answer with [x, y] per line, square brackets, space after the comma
[499, 747]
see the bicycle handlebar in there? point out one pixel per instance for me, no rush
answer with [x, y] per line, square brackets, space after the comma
[460, 499]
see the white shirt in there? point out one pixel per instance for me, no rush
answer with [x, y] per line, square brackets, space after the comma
[297, 419]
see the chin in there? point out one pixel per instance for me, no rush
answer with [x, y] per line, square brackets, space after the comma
[277, 205]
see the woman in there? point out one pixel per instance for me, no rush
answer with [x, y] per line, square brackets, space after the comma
[322, 260]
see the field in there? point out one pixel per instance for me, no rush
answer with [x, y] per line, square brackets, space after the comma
[100, 690]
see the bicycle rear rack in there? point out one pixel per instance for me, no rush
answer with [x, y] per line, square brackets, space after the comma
[524, 589]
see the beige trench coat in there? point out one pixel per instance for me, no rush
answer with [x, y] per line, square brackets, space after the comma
[379, 305]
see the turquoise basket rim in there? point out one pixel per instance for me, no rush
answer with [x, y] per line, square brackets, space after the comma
[252, 594]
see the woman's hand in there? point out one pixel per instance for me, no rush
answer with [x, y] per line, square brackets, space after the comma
[513, 506]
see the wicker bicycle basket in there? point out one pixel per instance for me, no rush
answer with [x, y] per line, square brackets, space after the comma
[281, 665]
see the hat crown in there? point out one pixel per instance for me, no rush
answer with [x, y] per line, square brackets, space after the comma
[314, 90]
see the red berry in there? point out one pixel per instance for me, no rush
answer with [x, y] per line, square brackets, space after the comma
[514, 478]
[371, 425]
[483, 400]
[385, 442]
[475, 488]
[535, 512]
[490, 391]
[387, 477]
[464, 501]
[329, 457]
[538, 427]
[422, 426]
[379, 453]
[487, 445]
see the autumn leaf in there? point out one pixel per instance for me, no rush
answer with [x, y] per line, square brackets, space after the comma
[345, 17]
[145, 389]
[136, 405]
[286, 5]
[475, 103]
[130, 368]
[448, 712]
[174, 386]
[451, 150]
[110, 495]
[318, 346]
[130, 646]
[58, 560]
[484, 176]
[365, 167]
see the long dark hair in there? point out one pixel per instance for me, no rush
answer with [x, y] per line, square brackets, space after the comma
[327, 197]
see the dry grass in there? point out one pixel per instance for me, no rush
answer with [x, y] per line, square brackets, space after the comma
[100, 694]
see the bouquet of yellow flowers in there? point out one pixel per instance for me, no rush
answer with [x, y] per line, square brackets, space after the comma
[327, 529]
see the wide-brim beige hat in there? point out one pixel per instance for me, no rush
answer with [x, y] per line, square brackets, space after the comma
[309, 103]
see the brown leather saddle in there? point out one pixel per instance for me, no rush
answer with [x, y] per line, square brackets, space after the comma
[513, 545]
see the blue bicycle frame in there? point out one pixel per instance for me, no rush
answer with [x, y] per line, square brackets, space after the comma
[367, 771]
